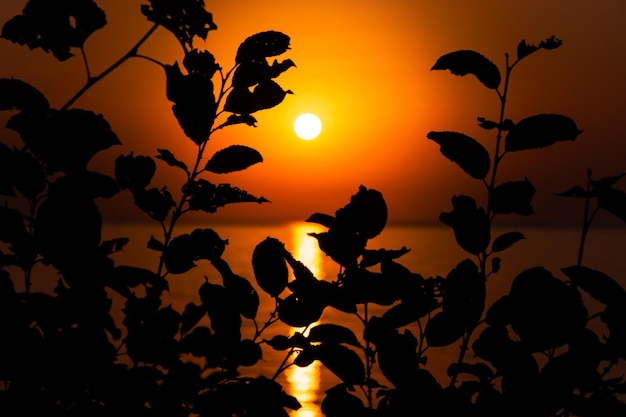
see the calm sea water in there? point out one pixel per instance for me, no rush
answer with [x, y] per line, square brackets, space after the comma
[433, 252]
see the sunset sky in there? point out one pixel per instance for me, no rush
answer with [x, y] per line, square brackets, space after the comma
[364, 69]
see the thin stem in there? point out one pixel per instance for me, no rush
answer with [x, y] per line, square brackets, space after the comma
[91, 81]
[586, 221]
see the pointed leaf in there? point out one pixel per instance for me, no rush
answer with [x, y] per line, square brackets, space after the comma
[513, 197]
[463, 150]
[270, 267]
[506, 240]
[540, 131]
[343, 362]
[262, 45]
[233, 158]
[333, 333]
[134, 172]
[613, 201]
[18, 95]
[597, 284]
[575, 192]
[321, 218]
[465, 62]
[169, 158]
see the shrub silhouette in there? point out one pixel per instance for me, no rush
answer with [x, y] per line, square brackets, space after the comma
[536, 351]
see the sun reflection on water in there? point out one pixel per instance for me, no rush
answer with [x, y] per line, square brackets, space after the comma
[304, 383]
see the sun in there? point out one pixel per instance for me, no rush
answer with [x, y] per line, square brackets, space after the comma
[307, 126]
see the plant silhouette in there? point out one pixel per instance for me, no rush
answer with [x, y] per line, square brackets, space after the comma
[536, 351]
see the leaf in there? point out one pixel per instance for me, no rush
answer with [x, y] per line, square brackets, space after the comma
[614, 201]
[544, 311]
[55, 26]
[513, 197]
[465, 62]
[333, 333]
[235, 119]
[185, 19]
[18, 95]
[524, 49]
[266, 94]
[169, 158]
[463, 150]
[597, 284]
[540, 131]
[471, 225]
[262, 45]
[241, 291]
[156, 203]
[320, 218]
[479, 370]
[50, 135]
[300, 310]
[233, 158]
[343, 362]
[575, 192]
[194, 102]
[365, 214]
[208, 197]
[506, 240]
[338, 402]
[269, 266]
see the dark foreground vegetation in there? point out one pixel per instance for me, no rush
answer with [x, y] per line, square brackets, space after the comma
[555, 345]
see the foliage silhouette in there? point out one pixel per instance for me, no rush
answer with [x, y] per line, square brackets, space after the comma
[537, 351]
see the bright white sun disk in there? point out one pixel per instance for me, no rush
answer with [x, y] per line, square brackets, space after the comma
[307, 126]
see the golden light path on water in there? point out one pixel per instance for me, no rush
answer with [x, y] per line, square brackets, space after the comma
[303, 383]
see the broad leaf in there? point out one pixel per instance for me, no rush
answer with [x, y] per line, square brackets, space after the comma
[55, 26]
[156, 203]
[505, 240]
[333, 333]
[512, 197]
[18, 95]
[185, 19]
[598, 284]
[233, 158]
[470, 223]
[169, 158]
[343, 362]
[540, 131]
[262, 45]
[614, 201]
[265, 95]
[465, 62]
[321, 218]
[270, 267]
[463, 150]
[134, 172]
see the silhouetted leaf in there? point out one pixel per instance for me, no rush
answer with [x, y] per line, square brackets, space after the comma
[249, 353]
[300, 310]
[342, 246]
[194, 102]
[333, 333]
[155, 244]
[506, 240]
[222, 311]
[343, 362]
[374, 257]
[208, 197]
[512, 197]
[487, 124]
[550, 43]
[262, 45]
[321, 218]
[240, 289]
[598, 284]
[607, 181]
[185, 19]
[339, 403]
[55, 26]
[233, 158]
[479, 370]
[156, 203]
[111, 246]
[270, 267]
[576, 192]
[540, 131]
[134, 172]
[235, 119]
[545, 312]
[470, 223]
[365, 214]
[185, 249]
[18, 95]
[613, 201]
[190, 317]
[265, 95]
[465, 62]
[169, 158]
[29, 176]
[248, 74]
[463, 150]
[496, 263]
[201, 63]
[49, 136]
[524, 49]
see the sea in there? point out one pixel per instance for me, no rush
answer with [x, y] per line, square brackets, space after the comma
[433, 252]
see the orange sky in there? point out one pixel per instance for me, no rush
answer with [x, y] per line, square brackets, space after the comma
[364, 68]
